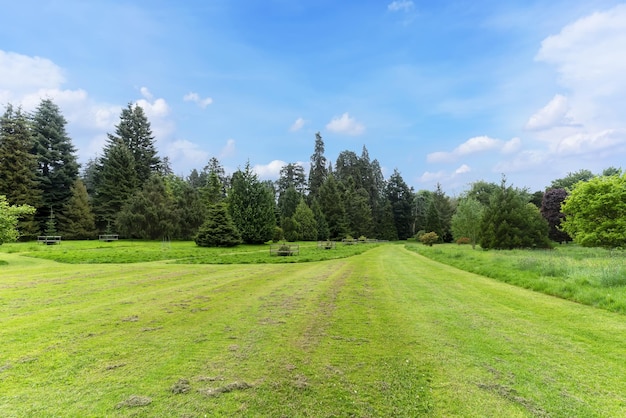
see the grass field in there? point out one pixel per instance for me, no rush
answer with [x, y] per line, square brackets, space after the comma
[385, 332]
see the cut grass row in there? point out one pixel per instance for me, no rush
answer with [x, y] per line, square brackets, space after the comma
[384, 333]
[592, 276]
[185, 252]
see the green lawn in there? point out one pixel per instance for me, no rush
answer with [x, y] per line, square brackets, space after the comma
[383, 333]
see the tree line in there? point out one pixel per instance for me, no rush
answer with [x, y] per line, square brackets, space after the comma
[132, 191]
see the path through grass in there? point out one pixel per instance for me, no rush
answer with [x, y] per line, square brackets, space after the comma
[384, 333]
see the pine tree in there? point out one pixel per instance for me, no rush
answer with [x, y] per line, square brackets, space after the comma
[251, 204]
[218, 230]
[77, 218]
[116, 183]
[323, 233]
[18, 168]
[401, 198]
[331, 203]
[318, 171]
[135, 133]
[56, 159]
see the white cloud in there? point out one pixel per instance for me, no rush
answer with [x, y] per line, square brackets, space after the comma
[269, 171]
[229, 149]
[511, 146]
[156, 109]
[594, 143]
[20, 74]
[146, 93]
[522, 161]
[429, 177]
[194, 97]
[297, 125]
[188, 151]
[345, 125]
[473, 145]
[551, 115]
[400, 6]
[463, 169]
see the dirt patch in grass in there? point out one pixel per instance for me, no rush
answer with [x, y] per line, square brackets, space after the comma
[182, 386]
[133, 318]
[512, 395]
[134, 401]
[114, 366]
[231, 387]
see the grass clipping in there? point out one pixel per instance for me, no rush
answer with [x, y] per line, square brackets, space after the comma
[134, 401]
[231, 387]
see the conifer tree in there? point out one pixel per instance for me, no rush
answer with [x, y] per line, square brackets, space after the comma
[218, 230]
[331, 203]
[77, 218]
[318, 171]
[305, 221]
[56, 159]
[135, 133]
[18, 168]
[401, 198]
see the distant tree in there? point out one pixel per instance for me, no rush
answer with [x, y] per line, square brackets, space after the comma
[290, 229]
[319, 170]
[433, 220]
[77, 218]
[612, 171]
[251, 206]
[323, 233]
[421, 203]
[360, 221]
[482, 191]
[348, 167]
[429, 238]
[568, 182]
[385, 225]
[18, 169]
[444, 210]
[288, 201]
[218, 230]
[401, 198]
[551, 211]
[537, 198]
[466, 220]
[292, 175]
[595, 212]
[510, 221]
[305, 220]
[9, 215]
[116, 183]
[149, 213]
[189, 209]
[56, 159]
[331, 203]
[135, 133]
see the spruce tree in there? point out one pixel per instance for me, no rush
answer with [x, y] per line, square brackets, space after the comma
[18, 168]
[331, 203]
[318, 171]
[56, 159]
[135, 133]
[218, 230]
[401, 198]
[77, 219]
[305, 220]
[251, 204]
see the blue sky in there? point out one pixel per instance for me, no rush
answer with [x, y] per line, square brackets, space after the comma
[450, 92]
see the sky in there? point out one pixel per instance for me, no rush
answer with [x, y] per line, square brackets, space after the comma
[447, 92]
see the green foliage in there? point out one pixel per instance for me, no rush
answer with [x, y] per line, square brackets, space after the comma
[290, 229]
[429, 238]
[218, 230]
[595, 212]
[400, 197]
[569, 182]
[318, 171]
[56, 160]
[251, 204]
[9, 215]
[279, 235]
[78, 221]
[305, 221]
[149, 213]
[466, 220]
[189, 209]
[331, 204]
[511, 222]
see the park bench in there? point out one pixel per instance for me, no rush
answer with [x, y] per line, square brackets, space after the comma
[108, 237]
[284, 249]
[327, 245]
[49, 239]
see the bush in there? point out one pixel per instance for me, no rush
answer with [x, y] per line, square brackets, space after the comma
[429, 238]
[463, 241]
[278, 234]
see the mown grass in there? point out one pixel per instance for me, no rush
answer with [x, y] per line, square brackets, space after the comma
[383, 333]
[592, 276]
[185, 252]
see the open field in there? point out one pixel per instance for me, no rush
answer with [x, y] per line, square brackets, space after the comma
[383, 333]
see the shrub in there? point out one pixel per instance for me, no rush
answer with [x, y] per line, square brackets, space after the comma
[429, 238]
[463, 241]
[278, 234]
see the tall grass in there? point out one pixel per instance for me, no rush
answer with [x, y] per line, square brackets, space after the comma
[592, 276]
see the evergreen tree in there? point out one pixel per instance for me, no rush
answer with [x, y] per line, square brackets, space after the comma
[348, 167]
[323, 233]
[433, 220]
[18, 169]
[135, 133]
[401, 198]
[510, 221]
[251, 204]
[116, 183]
[358, 211]
[149, 213]
[331, 203]
[218, 230]
[305, 220]
[318, 171]
[386, 226]
[77, 218]
[290, 229]
[444, 210]
[288, 201]
[189, 209]
[291, 175]
[466, 220]
[56, 159]
[421, 203]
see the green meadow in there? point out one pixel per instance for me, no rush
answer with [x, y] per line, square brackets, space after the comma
[147, 329]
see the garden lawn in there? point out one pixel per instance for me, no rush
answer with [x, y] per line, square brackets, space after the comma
[384, 333]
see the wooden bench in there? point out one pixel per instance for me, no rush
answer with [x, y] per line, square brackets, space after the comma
[108, 237]
[327, 245]
[49, 239]
[284, 249]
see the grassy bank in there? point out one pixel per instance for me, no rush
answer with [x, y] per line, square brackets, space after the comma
[592, 276]
[384, 333]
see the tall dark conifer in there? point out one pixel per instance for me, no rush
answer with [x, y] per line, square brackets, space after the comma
[318, 171]
[56, 159]
[18, 168]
